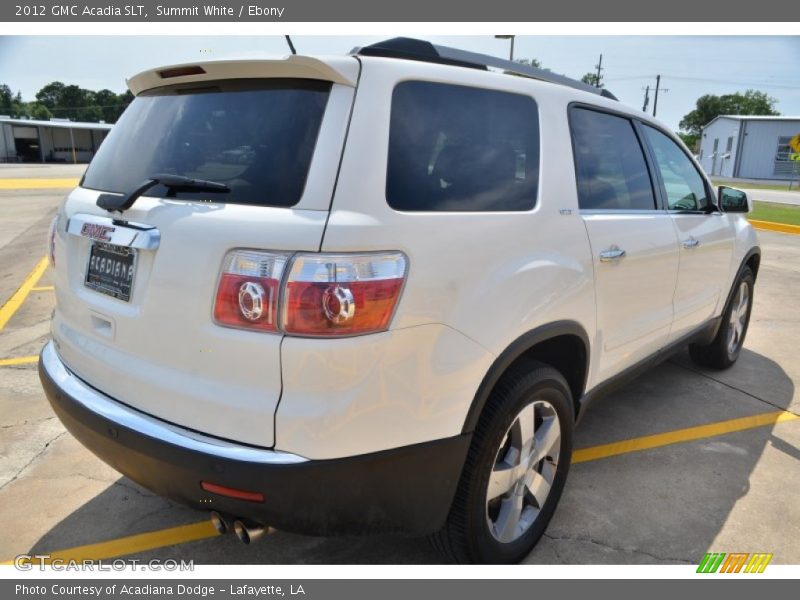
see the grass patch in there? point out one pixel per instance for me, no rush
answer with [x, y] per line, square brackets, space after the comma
[783, 187]
[777, 213]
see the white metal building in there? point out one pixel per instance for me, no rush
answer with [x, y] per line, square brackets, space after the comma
[28, 140]
[749, 147]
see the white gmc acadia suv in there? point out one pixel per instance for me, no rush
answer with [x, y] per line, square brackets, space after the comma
[372, 293]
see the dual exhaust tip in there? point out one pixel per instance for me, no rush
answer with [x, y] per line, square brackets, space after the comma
[246, 530]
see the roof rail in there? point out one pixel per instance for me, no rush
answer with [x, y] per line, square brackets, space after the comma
[421, 50]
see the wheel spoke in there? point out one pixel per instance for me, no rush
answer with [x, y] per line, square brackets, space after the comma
[548, 436]
[501, 480]
[508, 519]
[539, 486]
[526, 422]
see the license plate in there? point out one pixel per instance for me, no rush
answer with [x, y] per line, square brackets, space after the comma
[111, 270]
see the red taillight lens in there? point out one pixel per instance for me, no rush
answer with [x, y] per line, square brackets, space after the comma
[248, 290]
[324, 294]
[343, 294]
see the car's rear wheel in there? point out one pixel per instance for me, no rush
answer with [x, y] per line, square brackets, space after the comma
[723, 351]
[515, 470]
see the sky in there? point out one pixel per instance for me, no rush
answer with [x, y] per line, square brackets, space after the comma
[690, 66]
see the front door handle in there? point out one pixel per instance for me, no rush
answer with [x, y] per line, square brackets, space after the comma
[612, 254]
[691, 243]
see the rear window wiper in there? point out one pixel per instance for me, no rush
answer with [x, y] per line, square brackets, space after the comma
[173, 183]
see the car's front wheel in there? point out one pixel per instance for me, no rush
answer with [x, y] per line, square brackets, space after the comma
[515, 470]
[723, 351]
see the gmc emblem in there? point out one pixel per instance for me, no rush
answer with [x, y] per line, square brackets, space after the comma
[97, 232]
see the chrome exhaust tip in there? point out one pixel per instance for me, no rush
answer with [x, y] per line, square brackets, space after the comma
[221, 523]
[248, 532]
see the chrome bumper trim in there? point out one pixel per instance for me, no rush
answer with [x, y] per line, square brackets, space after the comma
[144, 424]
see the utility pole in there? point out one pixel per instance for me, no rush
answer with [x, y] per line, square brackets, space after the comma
[508, 37]
[599, 66]
[657, 92]
[646, 98]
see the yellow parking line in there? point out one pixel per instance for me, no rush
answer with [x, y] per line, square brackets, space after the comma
[681, 435]
[134, 544]
[22, 360]
[9, 308]
[37, 184]
[43, 288]
[202, 530]
[770, 226]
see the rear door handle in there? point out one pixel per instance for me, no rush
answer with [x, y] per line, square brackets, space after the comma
[691, 243]
[612, 254]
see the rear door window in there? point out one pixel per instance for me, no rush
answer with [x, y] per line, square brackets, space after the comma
[611, 170]
[255, 136]
[458, 148]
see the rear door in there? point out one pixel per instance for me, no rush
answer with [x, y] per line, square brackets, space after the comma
[136, 290]
[634, 244]
[704, 233]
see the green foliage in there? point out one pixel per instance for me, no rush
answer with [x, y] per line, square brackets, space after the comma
[57, 99]
[593, 79]
[690, 139]
[530, 62]
[710, 106]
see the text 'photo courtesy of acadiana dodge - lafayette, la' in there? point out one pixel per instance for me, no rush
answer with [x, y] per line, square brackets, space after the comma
[139, 10]
[148, 589]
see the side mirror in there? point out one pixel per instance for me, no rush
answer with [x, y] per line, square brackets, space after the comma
[731, 200]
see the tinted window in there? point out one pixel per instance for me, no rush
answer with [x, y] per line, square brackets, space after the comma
[683, 185]
[257, 137]
[456, 148]
[611, 169]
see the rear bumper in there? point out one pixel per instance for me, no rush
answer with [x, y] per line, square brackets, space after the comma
[405, 490]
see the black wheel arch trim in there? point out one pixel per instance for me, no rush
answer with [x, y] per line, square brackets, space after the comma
[754, 251]
[514, 351]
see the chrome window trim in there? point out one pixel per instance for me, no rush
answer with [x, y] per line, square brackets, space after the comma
[107, 408]
[616, 211]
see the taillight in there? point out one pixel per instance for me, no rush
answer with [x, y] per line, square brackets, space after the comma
[342, 294]
[249, 288]
[323, 295]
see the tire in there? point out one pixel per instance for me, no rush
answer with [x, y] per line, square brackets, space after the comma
[723, 351]
[483, 530]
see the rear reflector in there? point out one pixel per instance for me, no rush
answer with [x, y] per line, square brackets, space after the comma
[222, 490]
[181, 72]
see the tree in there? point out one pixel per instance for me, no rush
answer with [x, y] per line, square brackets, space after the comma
[57, 99]
[6, 99]
[593, 79]
[50, 95]
[710, 106]
[530, 62]
[690, 139]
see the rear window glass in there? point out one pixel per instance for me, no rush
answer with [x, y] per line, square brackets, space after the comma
[610, 165]
[255, 136]
[457, 148]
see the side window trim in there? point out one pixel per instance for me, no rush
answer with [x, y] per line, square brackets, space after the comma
[660, 206]
[659, 189]
[662, 189]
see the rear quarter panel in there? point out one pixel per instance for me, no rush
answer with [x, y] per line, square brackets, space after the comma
[490, 276]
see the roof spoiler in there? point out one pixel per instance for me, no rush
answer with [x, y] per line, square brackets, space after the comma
[339, 69]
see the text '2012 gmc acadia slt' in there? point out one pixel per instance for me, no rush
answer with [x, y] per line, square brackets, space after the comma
[372, 293]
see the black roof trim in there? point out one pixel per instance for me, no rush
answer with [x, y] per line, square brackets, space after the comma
[421, 50]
